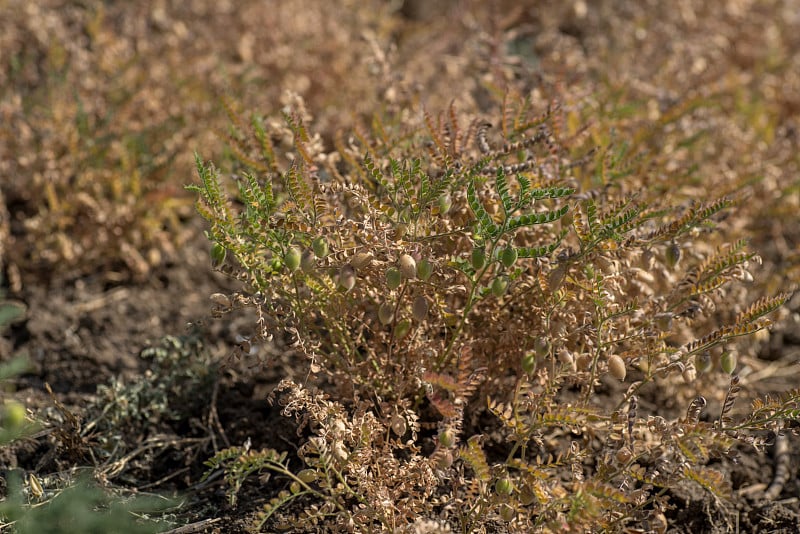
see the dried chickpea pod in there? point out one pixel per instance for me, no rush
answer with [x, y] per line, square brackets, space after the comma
[624, 455]
[568, 359]
[307, 475]
[221, 300]
[419, 309]
[308, 261]
[703, 361]
[407, 266]
[659, 523]
[541, 346]
[527, 496]
[399, 424]
[444, 459]
[400, 232]
[616, 367]
[347, 277]
[386, 313]
[338, 427]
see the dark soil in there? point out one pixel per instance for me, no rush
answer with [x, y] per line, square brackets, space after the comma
[82, 333]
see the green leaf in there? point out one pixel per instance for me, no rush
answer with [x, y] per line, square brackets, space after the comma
[484, 221]
[551, 192]
[400, 175]
[211, 195]
[620, 222]
[14, 367]
[11, 311]
[501, 184]
[424, 187]
[258, 200]
[524, 184]
[299, 189]
[536, 218]
[376, 174]
[539, 252]
[267, 151]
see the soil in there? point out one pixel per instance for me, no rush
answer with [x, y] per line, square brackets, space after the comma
[83, 333]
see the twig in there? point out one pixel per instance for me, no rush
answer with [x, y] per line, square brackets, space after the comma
[213, 418]
[191, 528]
[162, 479]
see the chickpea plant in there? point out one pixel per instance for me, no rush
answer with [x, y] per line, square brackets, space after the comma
[425, 272]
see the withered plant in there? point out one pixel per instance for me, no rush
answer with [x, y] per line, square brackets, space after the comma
[434, 269]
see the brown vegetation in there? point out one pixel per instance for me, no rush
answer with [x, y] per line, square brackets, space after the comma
[475, 267]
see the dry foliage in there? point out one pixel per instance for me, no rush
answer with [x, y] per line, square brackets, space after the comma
[101, 105]
[435, 267]
[473, 225]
